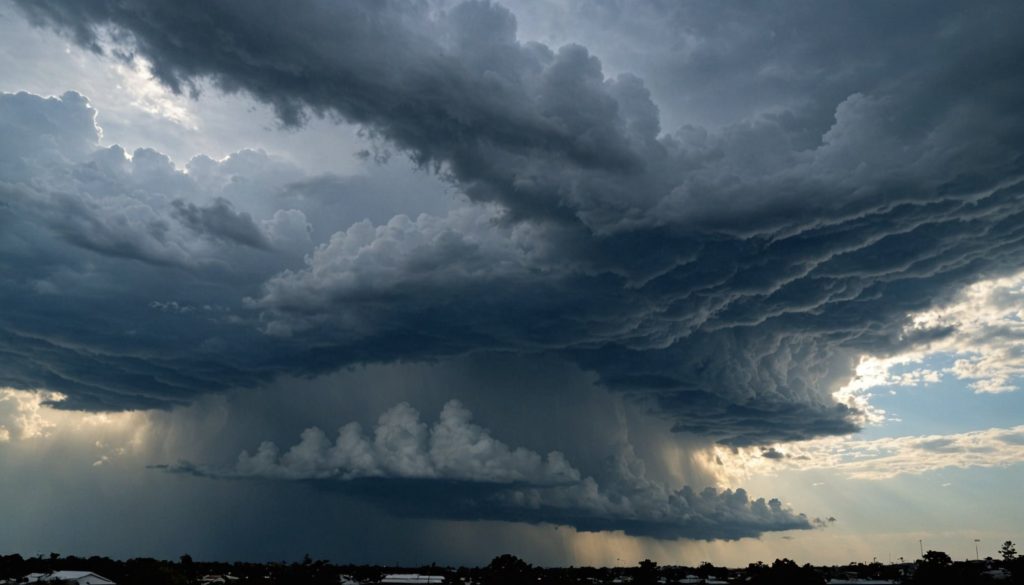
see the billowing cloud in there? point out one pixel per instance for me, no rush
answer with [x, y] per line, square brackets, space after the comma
[20, 416]
[730, 275]
[455, 469]
[403, 446]
[93, 233]
[988, 338]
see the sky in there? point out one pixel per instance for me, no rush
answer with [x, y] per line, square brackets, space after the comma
[586, 282]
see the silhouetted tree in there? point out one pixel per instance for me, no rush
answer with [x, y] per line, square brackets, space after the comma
[937, 558]
[934, 568]
[646, 572]
[1013, 562]
[707, 570]
[507, 570]
[1008, 551]
[783, 572]
[12, 566]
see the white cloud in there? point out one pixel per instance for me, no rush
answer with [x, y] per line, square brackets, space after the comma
[29, 421]
[136, 205]
[987, 319]
[152, 97]
[985, 325]
[22, 416]
[405, 254]
[888, 457]
[404, 446]
[985, 322]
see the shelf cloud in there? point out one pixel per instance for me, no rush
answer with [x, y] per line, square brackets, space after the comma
[836, 185]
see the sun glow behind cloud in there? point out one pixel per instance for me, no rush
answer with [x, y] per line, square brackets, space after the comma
[884, 458]
[30, 421]
[983, 332]
[149, 95]
[133, 82]
[983, 338]
[22, 414]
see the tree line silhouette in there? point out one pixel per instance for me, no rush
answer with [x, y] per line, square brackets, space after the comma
[934, 568]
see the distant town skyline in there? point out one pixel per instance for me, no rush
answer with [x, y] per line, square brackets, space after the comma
[583, 282]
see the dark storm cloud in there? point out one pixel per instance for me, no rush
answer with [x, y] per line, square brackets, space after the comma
[93, 245]
[705, 515]
[475, 100]
[455, 469]
[220, 220]
[404, 446]
[730, 276]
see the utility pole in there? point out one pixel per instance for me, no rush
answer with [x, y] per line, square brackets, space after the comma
[920, 543]
[976, 555]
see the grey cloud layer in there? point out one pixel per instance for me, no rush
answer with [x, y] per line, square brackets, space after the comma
[457, 470]
[731, 276]
[96, 242]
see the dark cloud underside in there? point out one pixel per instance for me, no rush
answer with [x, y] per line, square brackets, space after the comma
[730, 276]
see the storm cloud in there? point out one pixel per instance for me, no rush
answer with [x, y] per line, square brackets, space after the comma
[457, 470]
[726, 276]
[404, 446]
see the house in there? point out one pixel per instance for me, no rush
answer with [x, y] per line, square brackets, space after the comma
[75, 577]
[412, 579]
[217, 579]
[859, 581]
[999, 574]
